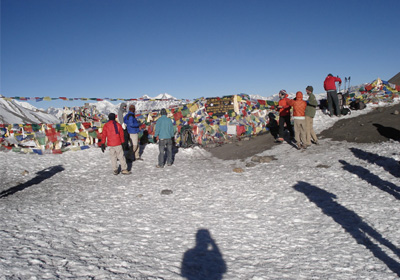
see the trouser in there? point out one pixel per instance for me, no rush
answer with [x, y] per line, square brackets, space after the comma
[300, 131]
[333, 102]
[310, 133]
[282, 121]
[133, 152]
[162, 144]
[117, 153]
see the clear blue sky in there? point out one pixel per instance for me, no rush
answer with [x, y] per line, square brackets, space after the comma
[192, 48]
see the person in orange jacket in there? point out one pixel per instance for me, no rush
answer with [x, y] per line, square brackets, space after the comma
[284, 115]
[299, 116]
[113, 134]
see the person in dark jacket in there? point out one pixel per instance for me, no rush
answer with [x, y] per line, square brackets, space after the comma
[331, 94]
[273, 125]
[312, 105]
[164, 132]
[113, 135]
[132, 125]
[284, 115]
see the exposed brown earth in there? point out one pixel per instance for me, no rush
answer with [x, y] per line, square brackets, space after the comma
[379, 125]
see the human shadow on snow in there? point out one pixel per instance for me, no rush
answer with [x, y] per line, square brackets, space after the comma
[204, 261]
[388, 132]
[371, 178]
[40, 177]
[352, 223]
[389, 164]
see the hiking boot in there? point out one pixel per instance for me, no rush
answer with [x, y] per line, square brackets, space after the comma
[169, 164]
[126, 172]
[279, 140]
[115, 172]
[140, 159]
[160, 166]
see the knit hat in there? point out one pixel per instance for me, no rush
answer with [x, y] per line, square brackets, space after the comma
[282, 92]
[111, 117]
[310, 88]
[163, 112]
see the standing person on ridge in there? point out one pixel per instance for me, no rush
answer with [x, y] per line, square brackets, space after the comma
[132, 126]
[284, 115]
[164, 132]
[299, 109]
[113, 134]
[331, 94]
[312, 104]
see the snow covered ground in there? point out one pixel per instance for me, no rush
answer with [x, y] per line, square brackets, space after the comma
[329, 212]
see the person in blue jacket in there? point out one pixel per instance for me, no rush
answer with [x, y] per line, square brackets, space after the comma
[132, 126]
[164, 134]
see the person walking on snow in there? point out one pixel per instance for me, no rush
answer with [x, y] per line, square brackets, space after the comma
[132, 126]
[331, 94]
[164, 132]
[113, 134]
[299, 109]
[284, 115]
[312, 104]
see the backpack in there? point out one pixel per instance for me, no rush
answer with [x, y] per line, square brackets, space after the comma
[357, 105]
[323, 104]
[345, 111]
[187, 137]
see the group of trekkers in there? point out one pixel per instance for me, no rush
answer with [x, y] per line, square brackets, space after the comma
[303, 114]
[122, 137]
[123, 141]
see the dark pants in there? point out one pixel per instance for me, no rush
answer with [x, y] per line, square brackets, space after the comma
[282, 121]
[333, 102]
[162, 143]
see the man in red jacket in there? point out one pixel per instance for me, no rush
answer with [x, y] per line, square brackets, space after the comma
[331, 94]
[113, 133]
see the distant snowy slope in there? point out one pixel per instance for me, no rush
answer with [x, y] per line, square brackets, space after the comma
[164, 96]
[143, 104]
[14, 112]
[18, 112]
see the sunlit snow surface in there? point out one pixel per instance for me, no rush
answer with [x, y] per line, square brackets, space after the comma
[329, 212]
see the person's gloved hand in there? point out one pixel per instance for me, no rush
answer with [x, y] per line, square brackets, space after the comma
[124, 126]
[103, 147]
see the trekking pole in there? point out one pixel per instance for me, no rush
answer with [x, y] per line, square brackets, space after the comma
[349, 82]
[339, 83]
